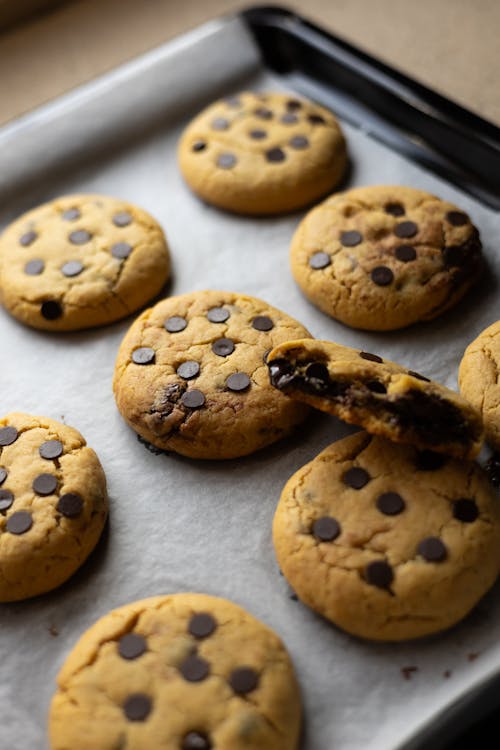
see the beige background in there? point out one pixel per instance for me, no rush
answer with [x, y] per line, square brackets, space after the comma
[451, 45]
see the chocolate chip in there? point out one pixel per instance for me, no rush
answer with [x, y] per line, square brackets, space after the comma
[137, 707]
[188, 370]
[390, 503]
[406, 229]
[19, 523]
[6, 499]
[289, 118]
[238, 381]
[143, 356]
[263, 113]
[175, 324]
[220, 123]
[356, 477]
[262, 323]
[405, 253]
[457, 218]
[122, 219]
[8, 435]
[233, 101]
[218, 315]
[394, 209]
[319, 260]
[294, 104]
[3, 475]
[257, 135]
[131, 646]
[382, 276]
[316, 119]
[121, 250]
[243, 680]
[194, 668]
[199, 146]
[80, 237]
[418, 376]
[70, 505]
[317, 376]
[72, 268]
[429, 461]
[27, 238]
[51, 310]
[379, 573]
[371, 357]
[432, 549]
[326, 529]
[350, 239]
[275, 155]
[465, 510]
[196, 741]
[45, 484]
[376, 386]
[71, 214]
[202, 625]
[193, 399]
[51, 449]
[299, 142]
[34, 267]
[223, 347]
[226, 161]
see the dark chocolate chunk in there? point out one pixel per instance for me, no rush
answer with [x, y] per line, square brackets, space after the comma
[351, 238]
[194, 668]
[202, 625]
[71, 214]
[243, 680]
[34, 267]
[226, 161]
[238, 381]
[72, 268]
[465, 509]
[432, 549]
[405, 253]
[375, 386]
[406, 229]
[390, 503]
[121, 250]
[275, 155]
[220, 123]
[51, 449]
[394, 209]
[196, 741]
[299, 142]
[8, 435]
[199, 146]
[371, 357]
[175, 324]
[3, 475]
[263, 113]
[356, 477]
[188, 370]
[317, 376]
[457, 218]
[131, 646]
[294, 104]
[193, 399]
[122, 219]
[281, 373]
[80, 237]
[223, 347]
[257, 134]
[418, 376]
[316, 119]
[143, 356]
[382, 276]
[19, 523]
[429, 461]
[326, 529]
[289, 118]
[379, 573]
[51, 310]
[70, 505]
[218, 314]
[319, 260]
[6, 499]
[137, 707]
[27, 238]
[262, 323]
[45, 484]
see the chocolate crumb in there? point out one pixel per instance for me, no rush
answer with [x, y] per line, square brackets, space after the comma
[407, 672]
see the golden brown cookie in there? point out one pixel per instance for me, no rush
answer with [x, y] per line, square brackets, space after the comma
[386, 542]
[383, 397]
[479, 380]
[262, 153]
[181, 672]
[53, 504]
[383, 257]
[81, 261]
[191, 375]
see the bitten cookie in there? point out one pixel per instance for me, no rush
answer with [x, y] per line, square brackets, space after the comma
[181, 672]
[381, 258]
[381, 396]
[479, 380]
[262, 153]
[81, 261]
[53, 504]
[191, 375]
[386, 542]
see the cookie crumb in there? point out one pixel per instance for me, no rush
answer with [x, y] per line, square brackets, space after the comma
[407, 672]
[54, 632]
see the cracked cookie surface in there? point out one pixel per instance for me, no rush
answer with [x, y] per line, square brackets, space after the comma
[180, 672]
[479, 380]
[383, 397]
[81, 261]
[387, 542]
[262, 153]
[53, 504]
[191, 375]
[383, 257]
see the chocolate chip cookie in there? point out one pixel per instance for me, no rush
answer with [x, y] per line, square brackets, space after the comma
[387, 542]
[383, 397]
[381, 257]
[81, 261]
[181, 672]
[262, 153]
[53, 504]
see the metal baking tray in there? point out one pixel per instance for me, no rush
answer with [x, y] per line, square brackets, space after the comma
[177, 524]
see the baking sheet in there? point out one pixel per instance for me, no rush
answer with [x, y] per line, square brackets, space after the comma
[178, 524]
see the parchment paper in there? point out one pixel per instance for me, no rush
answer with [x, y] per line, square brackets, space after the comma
[184, 525]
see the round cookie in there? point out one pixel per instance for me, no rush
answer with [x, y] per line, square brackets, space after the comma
[386, 542]
[81, 261]
[382, 257]
[262, 153]
[191, 375]
[53, 504]
[479, 380]
[180, 672]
